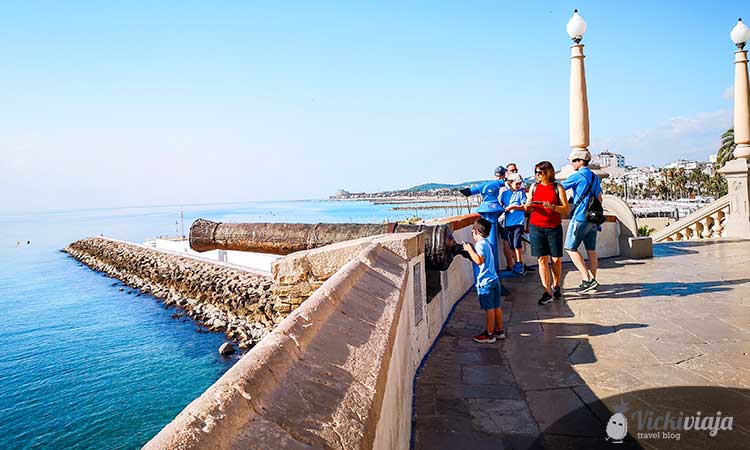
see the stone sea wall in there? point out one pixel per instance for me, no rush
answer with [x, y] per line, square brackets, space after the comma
[239, 303]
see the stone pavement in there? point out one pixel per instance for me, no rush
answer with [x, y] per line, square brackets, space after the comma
[654, 327]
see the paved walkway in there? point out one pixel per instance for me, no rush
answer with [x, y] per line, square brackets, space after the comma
[654, 327]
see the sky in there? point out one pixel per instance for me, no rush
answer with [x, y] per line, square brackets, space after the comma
[123, 103]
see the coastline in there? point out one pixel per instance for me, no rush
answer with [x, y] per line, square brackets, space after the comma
[237, 302]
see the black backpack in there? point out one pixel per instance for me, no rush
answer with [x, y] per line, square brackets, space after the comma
[594, 209]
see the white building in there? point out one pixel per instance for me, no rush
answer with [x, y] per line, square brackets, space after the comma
[706, 167]
[607, 159]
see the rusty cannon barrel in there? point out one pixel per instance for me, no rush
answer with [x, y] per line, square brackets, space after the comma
[285, 238]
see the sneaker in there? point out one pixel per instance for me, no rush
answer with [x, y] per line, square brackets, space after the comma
[499, 334]
[518, 268]
[592, 285]
[546, 298]
[556, 292]
[485, 338]
[583, 286]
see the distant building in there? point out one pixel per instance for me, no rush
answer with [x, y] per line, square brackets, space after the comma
[607, 159]
[687, 165]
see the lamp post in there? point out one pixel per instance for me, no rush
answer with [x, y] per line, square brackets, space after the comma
[579, 105]
[579, 102]
[739, 35]
[737, 171]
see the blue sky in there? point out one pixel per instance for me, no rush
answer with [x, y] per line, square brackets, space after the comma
[107, 103]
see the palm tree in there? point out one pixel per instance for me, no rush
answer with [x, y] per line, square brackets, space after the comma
[718, 186]
[726, 151]
[669, 177]
[681, 180]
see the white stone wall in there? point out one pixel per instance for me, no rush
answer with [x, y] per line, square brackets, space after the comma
[413, 341]
[257, 261]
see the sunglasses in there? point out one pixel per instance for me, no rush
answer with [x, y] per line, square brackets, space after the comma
[539, 172]
[576, 160]
[513, 171]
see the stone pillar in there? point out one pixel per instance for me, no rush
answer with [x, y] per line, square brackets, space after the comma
[579, 104]
[741, 106]
[579, 111]
[737, 171]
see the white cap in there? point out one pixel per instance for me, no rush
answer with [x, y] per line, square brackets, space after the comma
[514, 177]
[579, 154]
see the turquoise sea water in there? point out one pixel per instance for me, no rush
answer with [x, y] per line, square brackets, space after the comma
[84, 365]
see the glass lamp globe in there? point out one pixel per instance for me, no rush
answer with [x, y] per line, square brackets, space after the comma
[739, 34]
[576, 27]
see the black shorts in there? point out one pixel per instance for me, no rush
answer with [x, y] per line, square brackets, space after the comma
[546, 241]
[514, 235]
[503, 232]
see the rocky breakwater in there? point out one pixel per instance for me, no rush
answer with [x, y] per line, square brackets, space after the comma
[239, 303]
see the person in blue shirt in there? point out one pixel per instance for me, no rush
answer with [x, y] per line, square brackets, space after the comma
[510, 169]
[487, 282]
[490, 208]
[584, 183]
[513, 201]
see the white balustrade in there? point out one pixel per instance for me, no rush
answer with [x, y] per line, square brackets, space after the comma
[705, 223]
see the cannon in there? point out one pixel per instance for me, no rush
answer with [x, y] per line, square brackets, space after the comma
[285, 238]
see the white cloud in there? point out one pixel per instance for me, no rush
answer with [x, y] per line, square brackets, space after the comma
[689, 137]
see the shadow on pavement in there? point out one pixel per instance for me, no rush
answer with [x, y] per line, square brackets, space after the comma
[695, 417]
[547, 386]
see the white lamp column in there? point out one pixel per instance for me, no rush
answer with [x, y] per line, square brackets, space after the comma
[579, 104]
[737, 171]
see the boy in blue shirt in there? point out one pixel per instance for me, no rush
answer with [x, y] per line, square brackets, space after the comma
[513, 201]
[487, 282]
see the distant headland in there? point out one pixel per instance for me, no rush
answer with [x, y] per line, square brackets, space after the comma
[432, 190]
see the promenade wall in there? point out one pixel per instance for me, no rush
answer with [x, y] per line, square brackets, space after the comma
[342, 330]
[338, 372]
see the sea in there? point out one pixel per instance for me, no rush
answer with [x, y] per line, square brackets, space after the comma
[86, 365]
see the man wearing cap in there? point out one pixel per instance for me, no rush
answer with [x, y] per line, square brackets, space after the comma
[490, 208]
[584, 183]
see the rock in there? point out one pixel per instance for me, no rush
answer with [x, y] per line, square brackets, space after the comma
[226, 349]
[239, 303]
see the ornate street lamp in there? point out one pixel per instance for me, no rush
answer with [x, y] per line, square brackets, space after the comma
[740, 34]
[737, 171]
[579, 105]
